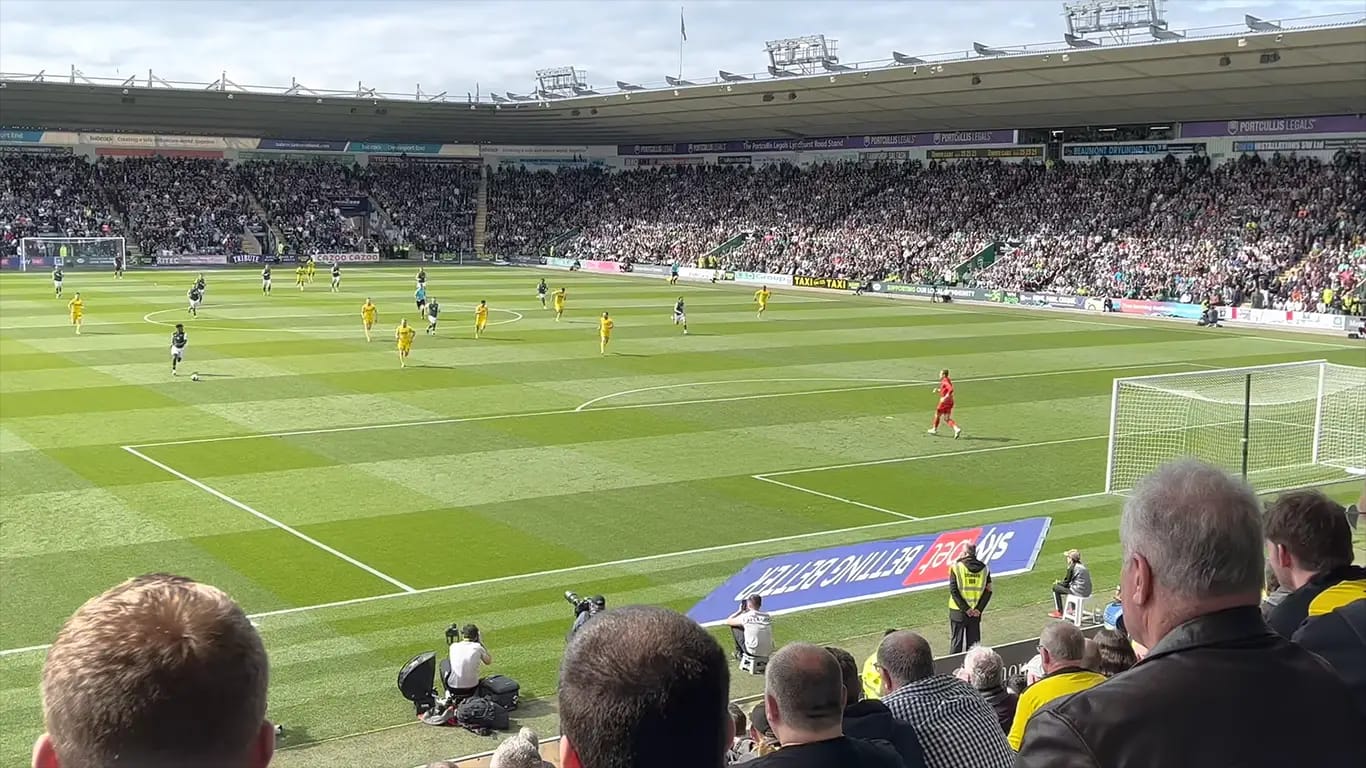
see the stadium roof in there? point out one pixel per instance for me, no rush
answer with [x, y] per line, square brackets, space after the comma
[1293, 72]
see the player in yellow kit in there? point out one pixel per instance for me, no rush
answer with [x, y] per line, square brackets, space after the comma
[761, 296]
[481, 318]
[605, 326]
[299, 275]
[404, 333]
[368, 312]
[559, 304]
[77, 309]
[310, 268]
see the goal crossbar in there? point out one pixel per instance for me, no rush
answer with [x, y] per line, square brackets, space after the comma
[1284, 424]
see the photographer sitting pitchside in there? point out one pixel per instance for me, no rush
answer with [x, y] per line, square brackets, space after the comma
[466, 655]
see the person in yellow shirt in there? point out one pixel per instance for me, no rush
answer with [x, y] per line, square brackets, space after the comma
[299, 275]
[605, 326]
[1061, 648]
[77, 308]
[368, 313]
[481, 318]
[761, 296]
[559, 304]
[404, 333]
[870, 677]
[310, 268]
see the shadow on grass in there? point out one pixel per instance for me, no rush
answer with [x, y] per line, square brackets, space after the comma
[986, 439]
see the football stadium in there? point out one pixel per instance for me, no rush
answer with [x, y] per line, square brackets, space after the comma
[588, 411]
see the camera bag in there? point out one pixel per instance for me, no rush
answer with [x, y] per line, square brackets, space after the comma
[501, 690]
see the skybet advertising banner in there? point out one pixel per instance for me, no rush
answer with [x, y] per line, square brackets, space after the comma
[803, 580]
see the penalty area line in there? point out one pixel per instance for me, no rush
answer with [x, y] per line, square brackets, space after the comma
[268, 519]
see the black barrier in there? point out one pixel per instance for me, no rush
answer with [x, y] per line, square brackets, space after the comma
[1013, 655]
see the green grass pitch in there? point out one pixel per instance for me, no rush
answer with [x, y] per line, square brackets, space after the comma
[356, 509]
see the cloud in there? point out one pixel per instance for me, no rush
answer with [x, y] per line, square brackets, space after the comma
[394, 46]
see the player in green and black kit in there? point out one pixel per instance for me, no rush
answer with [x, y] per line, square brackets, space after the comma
[541, 291]
[265, 279]
[178, 342]
[57, 281]
[336, 278]
[433, 309]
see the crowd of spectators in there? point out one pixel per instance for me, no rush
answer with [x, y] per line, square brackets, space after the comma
[179, 205]
[41, 195]
[431, 205]
[1278, 231]
[1284, 231]
[301, 200]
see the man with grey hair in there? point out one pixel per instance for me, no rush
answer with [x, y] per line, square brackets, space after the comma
[1217, 686]
[1062, 651]
[984, 669]
[804, 703]
[956, 726]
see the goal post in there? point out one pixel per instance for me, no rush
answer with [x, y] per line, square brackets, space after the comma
[1278, 426]
[71, 252]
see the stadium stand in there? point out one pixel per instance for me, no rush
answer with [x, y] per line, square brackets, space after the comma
[51, 196]
[179, 205]
[299, 198]
[431, 205]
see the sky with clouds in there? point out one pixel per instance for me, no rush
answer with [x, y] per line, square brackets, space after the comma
[394, 45]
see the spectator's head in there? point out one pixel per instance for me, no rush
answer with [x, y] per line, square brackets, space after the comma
[470, 633]
[738, 721]
[159, 671]
[804, 694]
[1116, 652]
[520, 751]
[754, 602]
[903, 658]
[849, 674]
[1073, 556]
[1192, 541]
[1061, 645]
[1306, 534]
[643, 687]
[983, 668]
[759, 729]
[1018, 682]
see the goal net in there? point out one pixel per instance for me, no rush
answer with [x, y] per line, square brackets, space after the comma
[1278, 425]
[70, 252]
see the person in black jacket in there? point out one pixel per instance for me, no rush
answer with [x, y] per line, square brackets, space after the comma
[870, 720]
[804, 702]
[1217, 686]
[1309, 542]
[969, 593]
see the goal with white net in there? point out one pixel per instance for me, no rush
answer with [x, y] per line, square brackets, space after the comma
[1278, 425]
[70, 252]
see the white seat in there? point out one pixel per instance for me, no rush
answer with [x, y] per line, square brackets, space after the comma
[1074, 609]
[754, 665]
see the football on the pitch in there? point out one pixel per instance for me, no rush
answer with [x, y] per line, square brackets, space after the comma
[194, 377]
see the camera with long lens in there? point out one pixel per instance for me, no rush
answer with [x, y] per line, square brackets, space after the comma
[585, 604]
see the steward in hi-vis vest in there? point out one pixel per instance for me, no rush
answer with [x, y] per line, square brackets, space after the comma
[969, 592]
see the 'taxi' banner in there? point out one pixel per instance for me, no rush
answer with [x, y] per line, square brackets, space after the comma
[847, 574]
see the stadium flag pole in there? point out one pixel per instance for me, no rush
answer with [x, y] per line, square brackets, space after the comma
[682, 38]
[1247, 419]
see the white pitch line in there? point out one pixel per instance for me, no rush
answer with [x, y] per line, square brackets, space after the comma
[875, 462]
[833, 497]
[267, 518]
[623, 393]
[609, 564]
[564, 411]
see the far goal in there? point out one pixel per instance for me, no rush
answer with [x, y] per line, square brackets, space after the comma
[1280, 426]
[70, 252]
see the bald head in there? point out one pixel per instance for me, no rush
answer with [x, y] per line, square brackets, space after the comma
[906, 656]
[805, 684]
